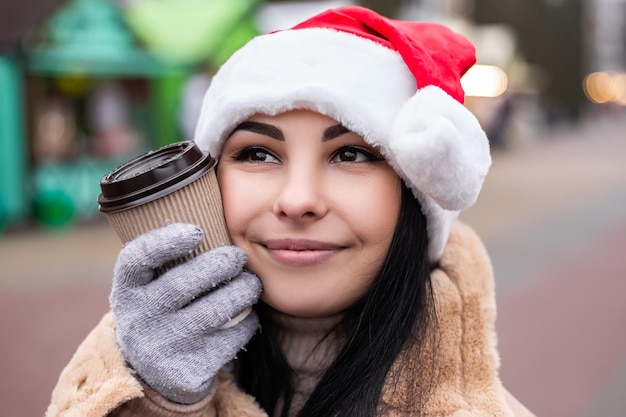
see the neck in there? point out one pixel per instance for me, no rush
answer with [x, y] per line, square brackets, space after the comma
[310, 345]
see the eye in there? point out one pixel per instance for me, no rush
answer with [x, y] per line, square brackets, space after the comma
[354, 154]
[256, 155]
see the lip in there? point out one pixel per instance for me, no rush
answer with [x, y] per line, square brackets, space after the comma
[301, 252]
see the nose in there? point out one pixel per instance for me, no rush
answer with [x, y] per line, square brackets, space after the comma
[301, 197]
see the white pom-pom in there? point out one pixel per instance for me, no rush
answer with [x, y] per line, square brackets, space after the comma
[441, 149]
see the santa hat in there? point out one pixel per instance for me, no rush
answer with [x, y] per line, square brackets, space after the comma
[396, 83]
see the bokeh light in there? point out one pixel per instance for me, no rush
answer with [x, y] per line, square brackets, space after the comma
[605, 87]
[484, 81]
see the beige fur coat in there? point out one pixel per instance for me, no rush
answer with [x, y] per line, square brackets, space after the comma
[96, 380]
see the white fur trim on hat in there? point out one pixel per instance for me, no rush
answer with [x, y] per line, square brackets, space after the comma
[307, 69]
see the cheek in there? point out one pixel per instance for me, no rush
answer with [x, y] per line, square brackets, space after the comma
[245, 199]
[375, 207]
[235, 200]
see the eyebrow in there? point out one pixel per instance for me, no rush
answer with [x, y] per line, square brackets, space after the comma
[275, 133]
[260, 128]
[334, 131]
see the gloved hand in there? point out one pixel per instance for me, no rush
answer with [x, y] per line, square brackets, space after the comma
[169, 326]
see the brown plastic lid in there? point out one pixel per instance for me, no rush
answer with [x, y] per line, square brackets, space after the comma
[153, 175]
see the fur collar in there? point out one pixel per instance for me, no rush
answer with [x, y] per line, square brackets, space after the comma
[465, 361]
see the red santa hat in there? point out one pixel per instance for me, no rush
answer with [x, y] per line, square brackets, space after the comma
[396, 83]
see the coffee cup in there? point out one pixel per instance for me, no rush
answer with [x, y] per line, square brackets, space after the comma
[175, 183]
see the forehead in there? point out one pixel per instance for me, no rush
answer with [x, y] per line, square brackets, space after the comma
[293, 115]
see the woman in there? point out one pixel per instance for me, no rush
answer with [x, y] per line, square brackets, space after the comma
[345, 155]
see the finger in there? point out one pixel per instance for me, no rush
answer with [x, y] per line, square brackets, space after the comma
[195, 277]
[141, 256]
[241, 333]
[224, 344]
[219, 306]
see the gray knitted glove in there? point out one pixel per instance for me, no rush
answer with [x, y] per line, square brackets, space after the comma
[169, 327]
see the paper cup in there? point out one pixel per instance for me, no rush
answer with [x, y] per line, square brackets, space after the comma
[175, 183]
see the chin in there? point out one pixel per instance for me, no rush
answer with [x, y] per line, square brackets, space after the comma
[299, 308]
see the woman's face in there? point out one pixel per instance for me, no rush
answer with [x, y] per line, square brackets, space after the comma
[313, 205]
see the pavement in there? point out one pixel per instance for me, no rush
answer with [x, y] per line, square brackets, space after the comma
[552, 215]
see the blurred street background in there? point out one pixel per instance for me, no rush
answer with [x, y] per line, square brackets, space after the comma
[88, 84]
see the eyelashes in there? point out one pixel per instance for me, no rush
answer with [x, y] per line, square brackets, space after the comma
[355, 154]
[255, 154]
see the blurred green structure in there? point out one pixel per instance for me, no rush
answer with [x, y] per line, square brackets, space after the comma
[190, 31]
[13, 202]
[159, 42]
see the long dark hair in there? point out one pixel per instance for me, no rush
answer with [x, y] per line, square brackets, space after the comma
[398, 311]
